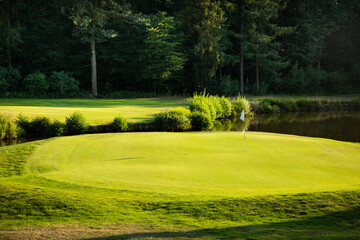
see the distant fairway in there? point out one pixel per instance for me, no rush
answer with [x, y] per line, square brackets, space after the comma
[96, 111]
[201, 163]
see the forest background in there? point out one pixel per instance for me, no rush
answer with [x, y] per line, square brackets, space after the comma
[142, 48]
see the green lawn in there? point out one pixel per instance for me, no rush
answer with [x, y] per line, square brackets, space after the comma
[96, 111]
[179, 185]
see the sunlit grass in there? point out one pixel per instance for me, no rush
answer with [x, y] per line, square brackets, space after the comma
[96, 111]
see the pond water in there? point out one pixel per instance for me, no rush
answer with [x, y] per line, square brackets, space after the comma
[344, 126]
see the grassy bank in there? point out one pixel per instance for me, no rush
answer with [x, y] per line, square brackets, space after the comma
[179, 185]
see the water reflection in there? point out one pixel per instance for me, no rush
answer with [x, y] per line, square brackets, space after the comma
[344, 126]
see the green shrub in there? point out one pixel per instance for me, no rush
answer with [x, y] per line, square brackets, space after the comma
[9, 79]
[198, 103]
[8, 128]
[240, 104]
[201, 121]
[267, 107]
[215, 100]
[213, 106]
[35, 84]
[226, 106]
[62, 84]
[75, 124]
[308, 105]
[119, 124]
[286, 106]
[173, 120]
[39, 127]
[184, 111]
[55, 129]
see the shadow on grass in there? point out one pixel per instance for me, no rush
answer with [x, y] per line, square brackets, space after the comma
[336, 225]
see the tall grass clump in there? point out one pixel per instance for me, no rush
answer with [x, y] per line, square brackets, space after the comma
[173, 120]
[8, 127]
[213, 106]
[75, 124]
[240, 104]
[119, 124]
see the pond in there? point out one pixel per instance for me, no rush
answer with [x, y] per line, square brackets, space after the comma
[344, 126]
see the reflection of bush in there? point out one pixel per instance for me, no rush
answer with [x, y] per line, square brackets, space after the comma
[232, 124]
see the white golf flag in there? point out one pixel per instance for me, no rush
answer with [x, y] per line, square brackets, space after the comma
[242, 117]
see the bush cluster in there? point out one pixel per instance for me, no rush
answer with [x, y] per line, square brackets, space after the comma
[201, 115]
[268, 107]
[119, 124]
[173, 120]
[39, 127]
[75, 124]
[59, 84]
[8, 127]
[9, 79]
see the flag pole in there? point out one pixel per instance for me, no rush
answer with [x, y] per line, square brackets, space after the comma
[242, 117]
[244, 141]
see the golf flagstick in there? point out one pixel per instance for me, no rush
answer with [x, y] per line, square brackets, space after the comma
[242, 117]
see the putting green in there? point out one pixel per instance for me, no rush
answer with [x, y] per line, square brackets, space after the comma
[201, 163]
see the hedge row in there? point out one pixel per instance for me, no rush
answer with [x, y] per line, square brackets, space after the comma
[44, 127]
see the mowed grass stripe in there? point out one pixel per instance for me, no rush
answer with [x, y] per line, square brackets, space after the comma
[201, 163]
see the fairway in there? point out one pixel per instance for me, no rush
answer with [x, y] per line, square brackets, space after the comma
[201, 163]
[96, 111]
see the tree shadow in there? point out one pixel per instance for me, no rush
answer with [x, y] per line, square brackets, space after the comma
[336, 225]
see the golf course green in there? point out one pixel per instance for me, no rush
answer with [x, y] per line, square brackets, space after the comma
[180, 185]
[200, 163]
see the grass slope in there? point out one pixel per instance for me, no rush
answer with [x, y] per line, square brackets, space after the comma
[96, 111]
[181, 185]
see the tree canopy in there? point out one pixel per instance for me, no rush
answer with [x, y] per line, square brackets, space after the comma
[181, 46]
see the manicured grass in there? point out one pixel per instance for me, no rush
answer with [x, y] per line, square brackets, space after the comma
[201, 163]
[97, 111]
[182, 185]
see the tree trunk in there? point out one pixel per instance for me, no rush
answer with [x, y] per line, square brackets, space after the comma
[257, 71]
[93, 68]
[8, 33]
[241, 77]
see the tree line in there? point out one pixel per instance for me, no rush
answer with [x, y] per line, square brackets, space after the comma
[180, 46]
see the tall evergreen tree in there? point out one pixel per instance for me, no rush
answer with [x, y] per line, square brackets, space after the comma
[90, 20]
